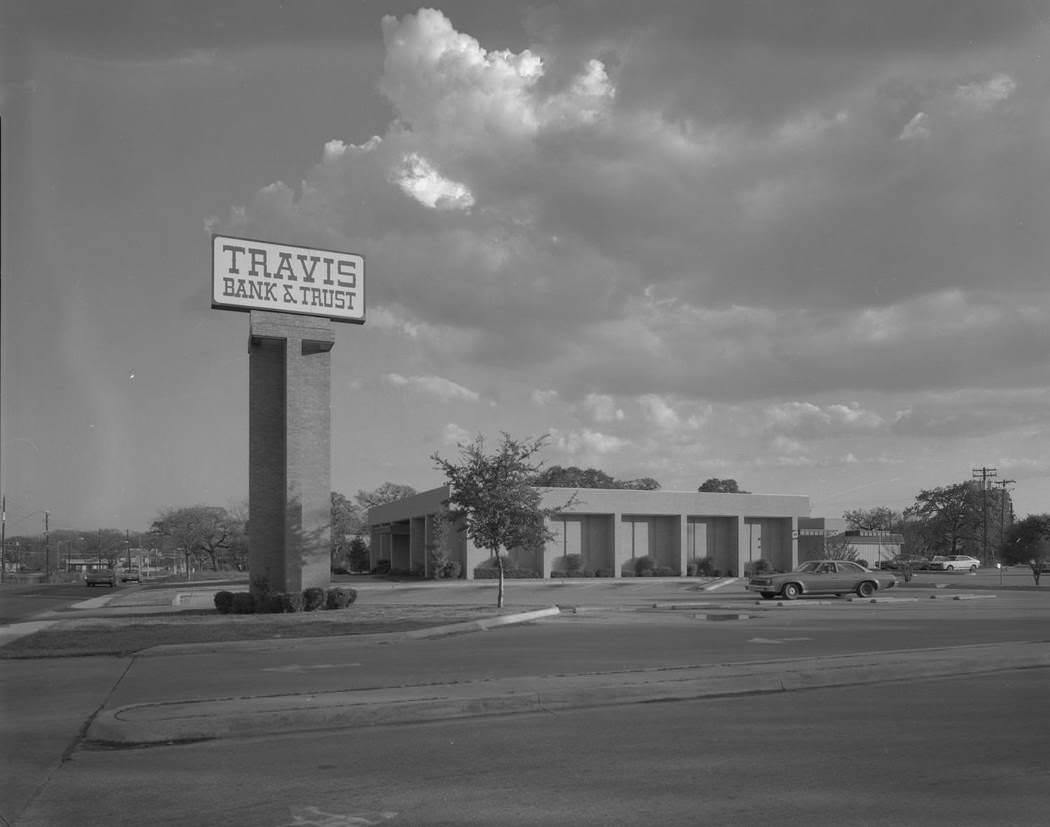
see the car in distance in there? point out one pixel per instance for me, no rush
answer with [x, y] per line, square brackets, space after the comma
[100, 577]
[955, 562]
[130, 575]
[822, 577]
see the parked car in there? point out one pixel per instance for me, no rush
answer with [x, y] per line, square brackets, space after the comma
[955, 562]
[100, 577]
[130, 575]
[822, 577]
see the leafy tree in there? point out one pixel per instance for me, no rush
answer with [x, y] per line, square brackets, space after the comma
[838, 548]
[641, 484]
[495, 499]
[201, 531]
[357, 555]
[873, 519]
[237, 551]
[347, 522]
[1028, 541]
[388, 492]
[107, 544]
[573, 477]
[717, 486]
[949, 518]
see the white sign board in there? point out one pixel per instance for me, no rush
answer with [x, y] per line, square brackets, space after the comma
[260, 275]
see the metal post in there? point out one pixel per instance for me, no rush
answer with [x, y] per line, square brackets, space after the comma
[47, 548]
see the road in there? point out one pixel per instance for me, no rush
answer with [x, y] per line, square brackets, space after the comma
[19, 602]
[931, 752]
[47, 768]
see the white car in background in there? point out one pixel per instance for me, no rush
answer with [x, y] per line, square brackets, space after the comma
[956, 562]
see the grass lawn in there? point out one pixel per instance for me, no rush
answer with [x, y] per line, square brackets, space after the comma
[127, 635]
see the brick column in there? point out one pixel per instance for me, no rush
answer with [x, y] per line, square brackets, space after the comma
[289, 464]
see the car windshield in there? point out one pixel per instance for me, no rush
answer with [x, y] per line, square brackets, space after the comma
[850, 567]
[809, 565]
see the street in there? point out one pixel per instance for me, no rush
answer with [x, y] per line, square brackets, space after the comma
[887, 744]
[19, 602]
[931, 752]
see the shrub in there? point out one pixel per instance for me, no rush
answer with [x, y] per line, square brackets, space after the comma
[573, 565]
[664, 571]
[243, 603]
[705, 567]
[452, 569]
[286, 602]
[643, 566]
[753, 567]
[382, 567]
[224, 602]
[491, 572]
[339, 598]
[313, 599]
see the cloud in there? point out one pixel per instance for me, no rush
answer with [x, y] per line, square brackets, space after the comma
[418, 179]
[666, 234]
[443, 389]
[453, 434]
[916, 128]
[586, 445]
[601, 408]
[985, 94]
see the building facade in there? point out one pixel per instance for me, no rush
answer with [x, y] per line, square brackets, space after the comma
[603, 533]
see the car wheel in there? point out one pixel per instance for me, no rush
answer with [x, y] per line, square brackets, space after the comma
[949, 568]
[791, 591]
[768, 595]
[973, 569]
[866, 589]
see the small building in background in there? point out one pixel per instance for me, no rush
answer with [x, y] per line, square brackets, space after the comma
[603, 533]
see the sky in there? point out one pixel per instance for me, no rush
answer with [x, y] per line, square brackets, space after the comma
[803, 245]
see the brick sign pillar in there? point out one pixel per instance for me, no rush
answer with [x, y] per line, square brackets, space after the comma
[289, 464]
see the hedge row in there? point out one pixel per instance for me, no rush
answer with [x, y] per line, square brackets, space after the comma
[310, 600]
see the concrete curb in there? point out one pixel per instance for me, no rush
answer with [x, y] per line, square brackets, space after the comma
[179, 721]
[480, 625]
[271, 644]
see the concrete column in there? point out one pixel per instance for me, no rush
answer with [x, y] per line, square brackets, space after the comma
[621, 543]
[794, 542]
[742, 545]
[683, 544]
[289, 464]
[428, 539]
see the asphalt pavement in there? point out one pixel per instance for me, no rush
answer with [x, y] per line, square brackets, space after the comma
[220, 690]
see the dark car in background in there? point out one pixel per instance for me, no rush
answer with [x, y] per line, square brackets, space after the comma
[100, 577]
[836, 577]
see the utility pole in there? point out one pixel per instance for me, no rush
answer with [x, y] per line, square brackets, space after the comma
[3, 538]
[47, 548]
[1002, 508]
[983, 474]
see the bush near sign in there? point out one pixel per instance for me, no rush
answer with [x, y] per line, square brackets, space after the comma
[260, 275]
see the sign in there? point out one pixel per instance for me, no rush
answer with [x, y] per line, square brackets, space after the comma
[259, 275]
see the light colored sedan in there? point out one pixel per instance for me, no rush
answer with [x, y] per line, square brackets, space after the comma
[822, 577]
[956, 562]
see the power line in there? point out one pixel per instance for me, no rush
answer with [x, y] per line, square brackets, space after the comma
[984, 474]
